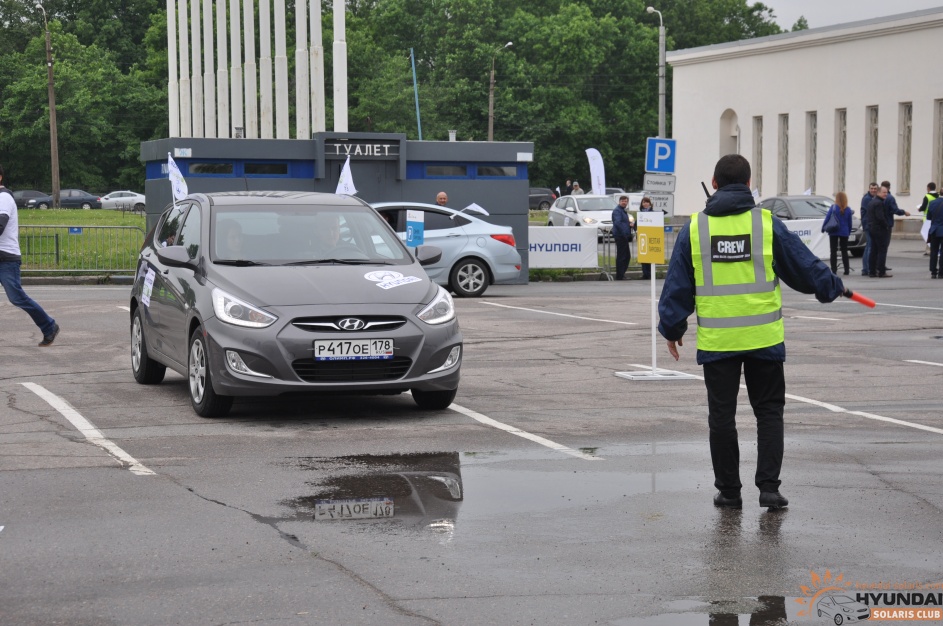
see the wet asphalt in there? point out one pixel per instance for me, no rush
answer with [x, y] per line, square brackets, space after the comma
[245, 519]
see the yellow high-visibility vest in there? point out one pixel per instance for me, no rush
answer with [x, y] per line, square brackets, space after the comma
[737, 295]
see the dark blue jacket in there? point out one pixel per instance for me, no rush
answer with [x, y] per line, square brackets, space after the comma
[620, 223]
[865, 201]
[844, 221]
[793, 263]
[891, 208]
[935, 215]
[878, 212]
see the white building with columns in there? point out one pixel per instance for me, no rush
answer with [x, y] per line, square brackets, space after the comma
[828, 109]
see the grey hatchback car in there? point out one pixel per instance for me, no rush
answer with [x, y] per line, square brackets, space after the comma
[270, 293]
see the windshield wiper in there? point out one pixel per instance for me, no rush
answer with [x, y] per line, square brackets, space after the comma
[239, 262]
[339, 262]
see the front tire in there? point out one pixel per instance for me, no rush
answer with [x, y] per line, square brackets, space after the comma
[86, 206]
[139, 207]
[146, 370]
[544, 206]
[433, 400]
[469, 278]
[43, 205]
[204, 400]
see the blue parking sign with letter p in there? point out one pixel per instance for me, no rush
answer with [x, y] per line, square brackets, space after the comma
[660, 155]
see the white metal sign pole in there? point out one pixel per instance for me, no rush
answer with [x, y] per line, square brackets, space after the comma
[654, 357]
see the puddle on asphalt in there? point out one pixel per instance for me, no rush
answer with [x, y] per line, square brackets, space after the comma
[427, 490]
[759, 611]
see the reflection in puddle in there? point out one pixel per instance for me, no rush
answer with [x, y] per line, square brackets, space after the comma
[422, 490]
[761, 611]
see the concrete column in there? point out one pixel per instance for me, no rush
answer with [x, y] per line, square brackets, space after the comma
[340, 67]
[235, 74]
[267, 116]
[281, 73]
[196, 82]
[318, 106]
[209, 80]
[173, 95]
[252, 98]
[184, 59]
[302, 108]
[222, 77]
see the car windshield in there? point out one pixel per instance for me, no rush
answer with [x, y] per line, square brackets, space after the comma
[273, 235]
[811, 208]
[844, 600]
[596, 204]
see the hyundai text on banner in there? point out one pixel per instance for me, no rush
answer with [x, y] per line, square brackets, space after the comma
[562, 247]
[810, 232]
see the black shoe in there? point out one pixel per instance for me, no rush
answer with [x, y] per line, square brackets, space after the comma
[48, 339]
[722, 500]
[773, 500]
[845, 273]
[872, 275]
[887, 269]
[885, 276]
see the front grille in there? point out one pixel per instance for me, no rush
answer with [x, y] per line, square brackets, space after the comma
[312, 371]
[331, 324]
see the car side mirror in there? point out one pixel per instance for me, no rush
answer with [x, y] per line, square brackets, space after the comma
[570, 209]
[175, 256]
[427, 255]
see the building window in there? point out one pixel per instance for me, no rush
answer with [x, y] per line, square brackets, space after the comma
[811, 148]
[447, 170]
[871, 162]
[841, 148]
[758, 153]
[938, 142]
[783, 184]
[266, 169]
[497, 171]
[904, 149]
[211, 169]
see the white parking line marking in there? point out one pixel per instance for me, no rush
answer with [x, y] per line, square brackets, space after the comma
[837, 409]
[806, 317]
[901, 306]
[521, 433]
[591, 319]
[924, 363]
[87, 429]
[125, 308]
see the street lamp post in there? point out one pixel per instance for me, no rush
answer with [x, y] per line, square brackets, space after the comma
[661, 72]
[491, 92]
[53, 133]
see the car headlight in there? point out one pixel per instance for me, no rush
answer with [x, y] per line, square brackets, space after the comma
[440, 310]
[588, 220]
[234, 311]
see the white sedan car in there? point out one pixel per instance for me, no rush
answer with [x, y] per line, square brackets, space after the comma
[128, 200]
[585, 210]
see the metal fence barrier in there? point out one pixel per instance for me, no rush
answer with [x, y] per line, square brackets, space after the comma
[80, 249]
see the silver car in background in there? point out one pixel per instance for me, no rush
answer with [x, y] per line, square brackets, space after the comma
[475, 253]
[585, 210]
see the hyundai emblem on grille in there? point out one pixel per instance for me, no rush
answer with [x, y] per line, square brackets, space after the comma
[351, 323]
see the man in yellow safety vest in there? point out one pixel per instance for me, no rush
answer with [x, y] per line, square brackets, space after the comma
[726, 266]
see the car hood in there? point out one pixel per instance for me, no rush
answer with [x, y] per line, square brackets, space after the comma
[325, 284]
[602, 216]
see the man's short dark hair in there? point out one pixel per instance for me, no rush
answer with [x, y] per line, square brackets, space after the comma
[931, 187]
[621, 198]
[887, 184]
[732, 169]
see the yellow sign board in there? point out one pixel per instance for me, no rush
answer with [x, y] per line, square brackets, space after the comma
[651, 236]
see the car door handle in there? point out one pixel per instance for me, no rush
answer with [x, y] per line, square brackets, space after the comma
[452, 236]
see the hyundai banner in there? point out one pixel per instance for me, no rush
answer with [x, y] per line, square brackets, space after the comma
[562, 247]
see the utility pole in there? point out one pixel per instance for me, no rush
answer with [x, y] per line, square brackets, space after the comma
[491, 92]
[53, 132]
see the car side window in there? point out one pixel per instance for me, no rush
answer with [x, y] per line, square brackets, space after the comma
[167, 231]
[434, 220]
[780, 210]
[190, 233]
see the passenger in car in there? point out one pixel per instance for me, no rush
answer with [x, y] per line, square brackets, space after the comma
[230, 242]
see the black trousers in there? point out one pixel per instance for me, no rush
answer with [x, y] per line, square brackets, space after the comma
[936, 243]
[833, 244]
[880, 241]
[623, 253]
[766, 388]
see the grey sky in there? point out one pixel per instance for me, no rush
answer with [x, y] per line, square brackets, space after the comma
[828, 12]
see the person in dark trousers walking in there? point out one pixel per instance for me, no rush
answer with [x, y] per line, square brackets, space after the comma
[935, 215]
[930, 196]
[622, 235]
[880, 230]
[726, 266]
[865, 201]
[839, 238]
[10, 261]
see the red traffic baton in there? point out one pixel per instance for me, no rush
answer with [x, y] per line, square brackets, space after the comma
[857, 297]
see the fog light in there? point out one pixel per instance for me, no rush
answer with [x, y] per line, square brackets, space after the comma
[239, 366]
[451, 361]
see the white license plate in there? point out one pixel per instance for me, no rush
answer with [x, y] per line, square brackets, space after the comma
[352, 350]
[362, 508]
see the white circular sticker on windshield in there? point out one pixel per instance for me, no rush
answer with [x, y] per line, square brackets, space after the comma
[382, 275]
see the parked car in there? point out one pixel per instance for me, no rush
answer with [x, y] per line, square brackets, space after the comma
[842, 609]
[263, 293]
[585, 210]
[475, 253]
[541, 198]
[129, 200]
[814, 208]
[68, 199]
[23, 196]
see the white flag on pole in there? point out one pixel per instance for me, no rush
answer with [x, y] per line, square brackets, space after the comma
[345, 184]
[756, 194]
[807, 192]
[177, 182]
[597, 171]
